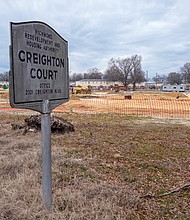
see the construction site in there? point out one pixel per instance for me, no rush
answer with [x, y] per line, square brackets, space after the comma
[146, 103]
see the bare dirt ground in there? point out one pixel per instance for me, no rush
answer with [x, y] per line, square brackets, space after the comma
[154, 104]
[151, 103]
[112, 167]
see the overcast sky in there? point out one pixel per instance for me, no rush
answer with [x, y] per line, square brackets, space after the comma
[98, 30]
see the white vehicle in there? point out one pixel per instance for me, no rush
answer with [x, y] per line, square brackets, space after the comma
[173, 88]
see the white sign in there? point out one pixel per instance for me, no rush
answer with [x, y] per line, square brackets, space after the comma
[39, 66]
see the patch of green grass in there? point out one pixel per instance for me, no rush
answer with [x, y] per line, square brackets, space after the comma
[154, 168]
[68, 171]
[167, 201]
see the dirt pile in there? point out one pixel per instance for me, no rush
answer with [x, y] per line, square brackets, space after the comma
[33, 123]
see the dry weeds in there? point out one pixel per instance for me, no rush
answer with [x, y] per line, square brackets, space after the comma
[100, 171]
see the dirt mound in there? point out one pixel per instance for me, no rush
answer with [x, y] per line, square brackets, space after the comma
[33, 123]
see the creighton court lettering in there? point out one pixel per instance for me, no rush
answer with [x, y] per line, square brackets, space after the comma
[44, 60]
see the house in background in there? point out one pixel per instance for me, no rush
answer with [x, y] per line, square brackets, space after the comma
[100, 84]
[107, 85]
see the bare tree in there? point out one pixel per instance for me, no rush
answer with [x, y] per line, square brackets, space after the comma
[136, 74]
[76, 76]
[126, 70]
[121, 69]
[111, 74]
[93, 73]
[159, 79]
[4, 77]
[174, 78]
[185, 70]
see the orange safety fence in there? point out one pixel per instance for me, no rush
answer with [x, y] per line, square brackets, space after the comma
[139, 107]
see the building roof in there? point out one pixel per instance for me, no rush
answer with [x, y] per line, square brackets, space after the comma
[94, 80]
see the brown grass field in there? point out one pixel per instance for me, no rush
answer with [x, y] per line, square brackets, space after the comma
[101, 171]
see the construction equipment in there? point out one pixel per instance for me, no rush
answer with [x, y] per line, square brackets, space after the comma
[81, 90]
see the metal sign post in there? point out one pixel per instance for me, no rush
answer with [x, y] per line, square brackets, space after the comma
[46, 156]
[39, 80]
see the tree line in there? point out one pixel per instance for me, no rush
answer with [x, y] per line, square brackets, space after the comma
[4, 77]
[127, 71]
[183, 76]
